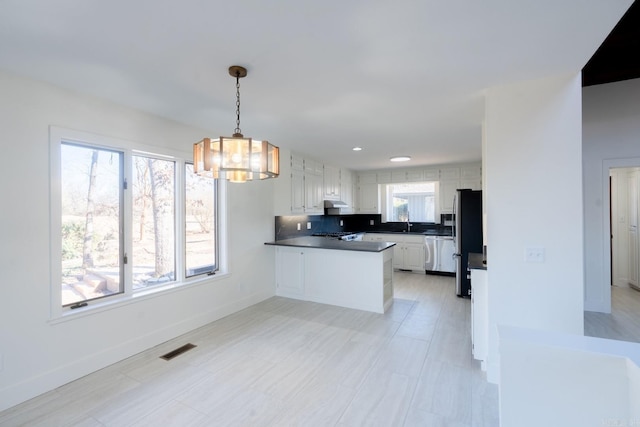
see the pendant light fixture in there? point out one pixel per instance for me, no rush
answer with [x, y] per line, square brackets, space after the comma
[236, 158]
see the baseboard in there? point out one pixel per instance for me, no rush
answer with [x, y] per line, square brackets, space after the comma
[42, 383]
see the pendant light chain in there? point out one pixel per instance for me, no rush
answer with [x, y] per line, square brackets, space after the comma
[238, 131]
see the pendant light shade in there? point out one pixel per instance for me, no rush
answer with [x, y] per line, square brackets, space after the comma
[236, 158]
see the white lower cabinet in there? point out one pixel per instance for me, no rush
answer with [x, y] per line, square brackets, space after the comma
[413, 256]
[409, 251]
[290, 272]
[479, 316]
[352, 279]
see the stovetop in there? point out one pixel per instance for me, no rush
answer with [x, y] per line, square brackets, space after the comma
[333, 234]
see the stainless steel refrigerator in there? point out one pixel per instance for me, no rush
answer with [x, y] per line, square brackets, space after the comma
[467, 231]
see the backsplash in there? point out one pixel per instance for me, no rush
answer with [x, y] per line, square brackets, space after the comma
[286, 227]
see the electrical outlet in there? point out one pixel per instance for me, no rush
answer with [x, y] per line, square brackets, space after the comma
[299, 228]
[371, 222]
[341, 223]
[534, 254]
[308, 225]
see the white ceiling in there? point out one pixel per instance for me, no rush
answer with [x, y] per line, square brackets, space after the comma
[394, 77]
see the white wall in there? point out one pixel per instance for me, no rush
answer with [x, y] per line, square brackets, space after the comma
[554, 379]
[534, 199]
[611, 138]
[37, 355]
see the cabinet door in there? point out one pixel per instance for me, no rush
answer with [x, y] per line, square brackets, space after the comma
[297, 162]
[471, 183]
[431, 174]
[398, 256]
[331, 182]
[368, 198]
[297, 191]
[479, 314]
[346, 190]
[449, 174]
[289, 272]
[399, 176]
[470, 171]
[414, 256]
[367, 178]
[384, 177]
[313, 193]
[415, 175]
[447, 193]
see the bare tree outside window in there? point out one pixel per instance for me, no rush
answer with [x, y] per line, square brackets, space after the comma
[200, 223]
[95, 226]
[91, 226]
[154, 218]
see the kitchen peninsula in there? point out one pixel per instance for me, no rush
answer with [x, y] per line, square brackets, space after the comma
[351, 274]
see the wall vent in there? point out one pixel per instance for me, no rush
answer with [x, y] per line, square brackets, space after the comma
[177, 352]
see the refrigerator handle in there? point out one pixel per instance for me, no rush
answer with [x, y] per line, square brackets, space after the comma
[453, 227]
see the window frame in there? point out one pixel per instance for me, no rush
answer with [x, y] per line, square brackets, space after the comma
[388, 201]
[57, 136]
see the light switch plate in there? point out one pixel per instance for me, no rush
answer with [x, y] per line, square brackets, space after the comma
[308, 225]
[341, 223]
[299, 228]
[534, 254]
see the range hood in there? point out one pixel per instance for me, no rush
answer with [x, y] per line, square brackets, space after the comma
[332, 204]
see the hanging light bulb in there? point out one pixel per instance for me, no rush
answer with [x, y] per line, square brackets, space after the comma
[240, 159]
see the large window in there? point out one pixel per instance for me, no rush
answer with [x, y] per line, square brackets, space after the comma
[128, 222]
[92, 205]
[200, 224]
[415, 201]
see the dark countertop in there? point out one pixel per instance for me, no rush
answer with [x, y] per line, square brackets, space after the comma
[325, 243]
[475, 262]
[419, 233]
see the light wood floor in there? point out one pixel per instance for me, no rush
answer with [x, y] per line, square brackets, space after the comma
[624, 321]
[285, 363]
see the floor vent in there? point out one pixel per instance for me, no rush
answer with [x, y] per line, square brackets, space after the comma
[177, 352]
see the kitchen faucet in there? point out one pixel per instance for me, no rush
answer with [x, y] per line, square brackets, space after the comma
[408, 223]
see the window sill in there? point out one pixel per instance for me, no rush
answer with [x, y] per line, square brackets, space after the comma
[123, 300]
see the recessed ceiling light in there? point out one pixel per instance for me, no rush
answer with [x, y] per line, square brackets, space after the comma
[400, 159]
[357, 148]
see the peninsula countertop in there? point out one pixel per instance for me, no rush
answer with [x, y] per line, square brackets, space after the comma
[336, 244]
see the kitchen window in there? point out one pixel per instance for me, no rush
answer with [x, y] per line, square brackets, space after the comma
[126, 221]
[411, 202]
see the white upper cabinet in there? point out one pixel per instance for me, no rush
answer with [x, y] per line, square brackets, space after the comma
[367, 178]
[297, 162]
[346, 190]
[449, 174]
[470, 171]
[305, 183]
[297, 191]
[331, 182]
[431, 174]
[450, 178]
[368, 195]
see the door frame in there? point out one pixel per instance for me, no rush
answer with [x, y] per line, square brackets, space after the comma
[607, 165]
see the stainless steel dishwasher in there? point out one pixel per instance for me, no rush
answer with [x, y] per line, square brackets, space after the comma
[439, 252]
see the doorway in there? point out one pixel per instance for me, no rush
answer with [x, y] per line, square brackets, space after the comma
[623, 322]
